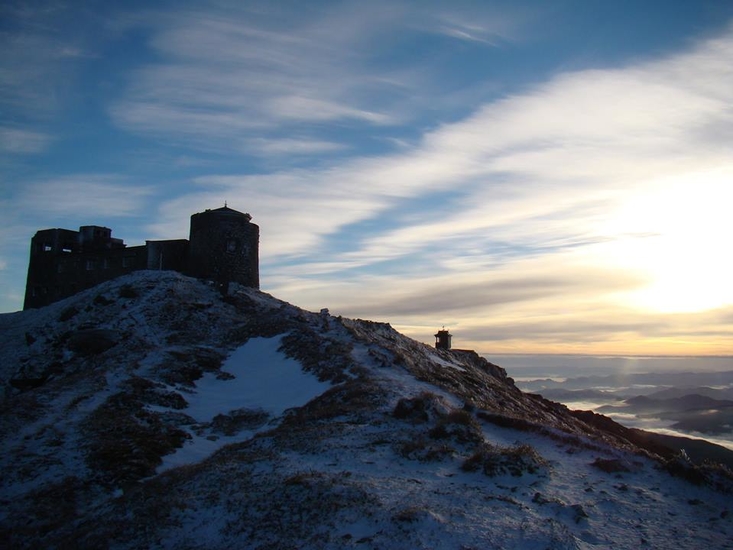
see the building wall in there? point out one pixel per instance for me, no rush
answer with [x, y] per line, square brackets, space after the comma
[167, 255]
[62, 264]
[224, 247]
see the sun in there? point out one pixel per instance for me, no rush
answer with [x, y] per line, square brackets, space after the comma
[676, 235]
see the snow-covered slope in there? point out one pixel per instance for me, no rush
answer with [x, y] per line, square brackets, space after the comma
[150, 412]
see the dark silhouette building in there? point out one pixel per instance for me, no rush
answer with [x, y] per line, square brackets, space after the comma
[443, 339]
[223, 246]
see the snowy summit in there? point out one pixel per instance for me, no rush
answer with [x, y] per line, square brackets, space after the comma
[153, 412]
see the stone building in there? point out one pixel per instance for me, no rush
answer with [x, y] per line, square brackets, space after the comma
[223, 246]
[443, 339]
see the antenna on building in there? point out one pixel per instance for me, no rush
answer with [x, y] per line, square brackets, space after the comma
[225, 204]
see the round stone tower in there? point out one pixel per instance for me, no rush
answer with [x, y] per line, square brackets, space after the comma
[224, 247]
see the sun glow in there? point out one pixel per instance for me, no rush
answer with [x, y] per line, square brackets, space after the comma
[677, 235]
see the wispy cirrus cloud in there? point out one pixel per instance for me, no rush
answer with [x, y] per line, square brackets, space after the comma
[38, 69]
[562, 197]
[20, 141]
[229, 73]
[490, 26]
[395, 174]
[292, 146]
[77, 196]
[315, 110]
[224, 76]
[37, 57]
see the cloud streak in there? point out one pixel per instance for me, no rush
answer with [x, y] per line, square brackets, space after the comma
[80, 195]
[581, 210]
[18, 141]
[551, 173]
[227, 72]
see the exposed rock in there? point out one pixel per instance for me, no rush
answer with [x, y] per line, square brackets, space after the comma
[122, 420]
[93, 341]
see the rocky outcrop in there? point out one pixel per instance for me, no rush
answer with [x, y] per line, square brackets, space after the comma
[105, 409]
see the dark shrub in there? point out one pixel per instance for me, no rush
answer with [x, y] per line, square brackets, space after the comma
[458, 425]
[610, 465]
[424, 450]
[515, 461]
[92, 341]
[504, 421]
[418, 409]
[68, 313]
[236, 421]
[125, 441]
[101, 300]
[128, 291]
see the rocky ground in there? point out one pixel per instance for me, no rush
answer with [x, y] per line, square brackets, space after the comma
[153, 412]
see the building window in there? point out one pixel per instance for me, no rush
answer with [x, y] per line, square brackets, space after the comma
[232, 245]
[105, 263]
[127, 261]
[89, 265]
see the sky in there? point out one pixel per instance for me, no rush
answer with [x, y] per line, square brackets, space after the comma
[537, 177]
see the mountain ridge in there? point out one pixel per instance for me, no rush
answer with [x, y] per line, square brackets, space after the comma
[401, 444]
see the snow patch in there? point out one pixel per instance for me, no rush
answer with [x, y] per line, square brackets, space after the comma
[264, 379]
[435, 358]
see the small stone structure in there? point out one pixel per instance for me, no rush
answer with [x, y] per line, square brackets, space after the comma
[223, 246]
[443, 339]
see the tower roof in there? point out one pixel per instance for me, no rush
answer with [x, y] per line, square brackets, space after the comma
[225, 211]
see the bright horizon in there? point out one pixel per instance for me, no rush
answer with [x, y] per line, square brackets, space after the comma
[539, 179]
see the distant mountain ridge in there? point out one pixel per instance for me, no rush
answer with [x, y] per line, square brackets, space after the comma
[150, 411]
[686, 402]
[690, 412]
[713, 393]
[561, 394]
[676, 379]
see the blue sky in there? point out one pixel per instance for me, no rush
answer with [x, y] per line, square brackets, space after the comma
[536, 176]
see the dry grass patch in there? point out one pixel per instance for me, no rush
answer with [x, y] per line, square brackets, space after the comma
[515, 461]
[126, 442]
